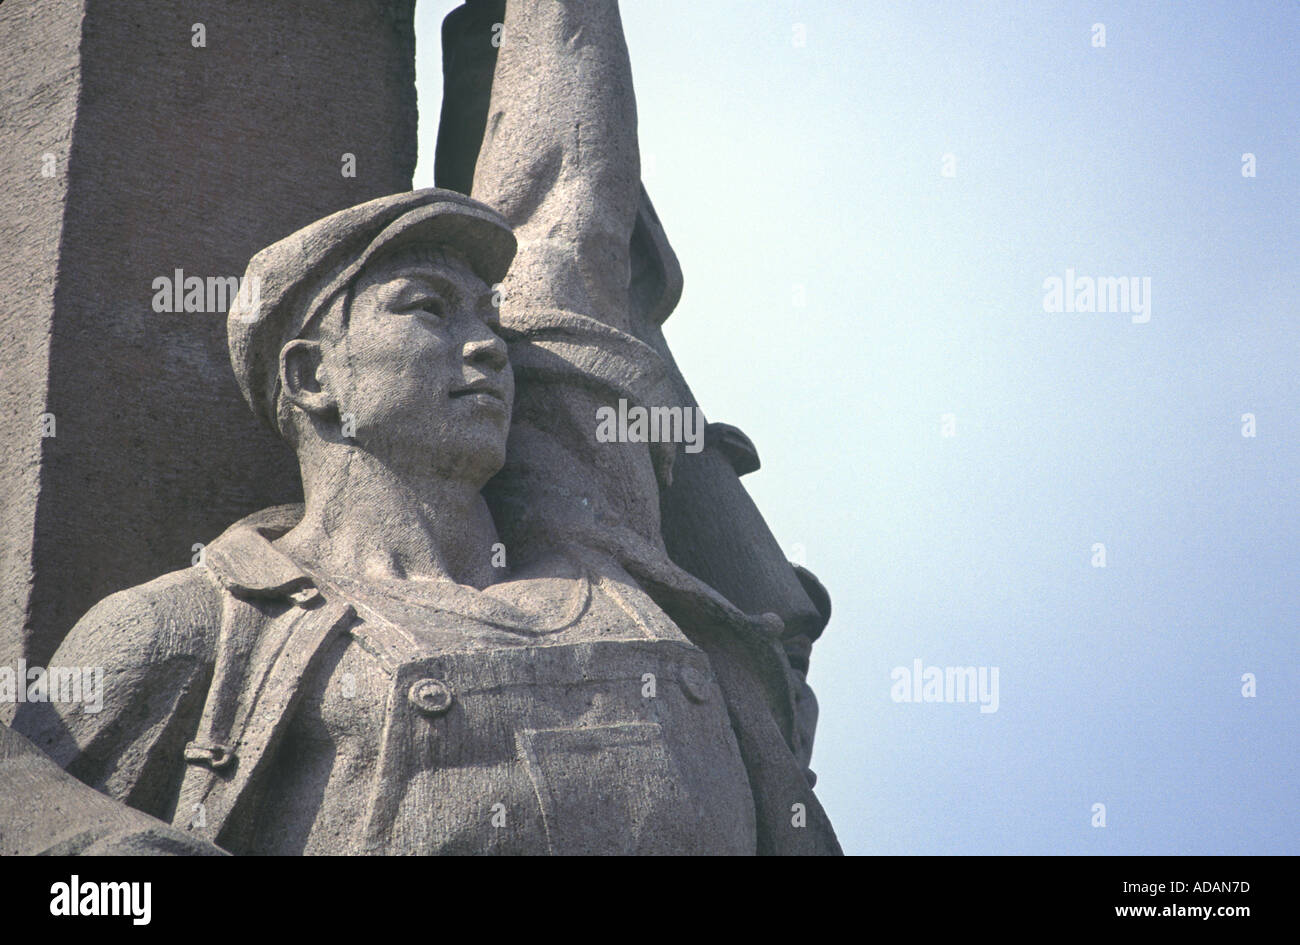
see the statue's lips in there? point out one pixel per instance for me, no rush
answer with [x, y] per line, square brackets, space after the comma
[480, 392]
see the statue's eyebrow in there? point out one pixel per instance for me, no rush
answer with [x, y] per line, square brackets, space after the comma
[413, 282]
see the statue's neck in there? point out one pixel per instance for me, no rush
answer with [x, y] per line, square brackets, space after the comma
[363, 521]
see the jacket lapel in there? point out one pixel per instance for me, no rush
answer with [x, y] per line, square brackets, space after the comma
[263, 657]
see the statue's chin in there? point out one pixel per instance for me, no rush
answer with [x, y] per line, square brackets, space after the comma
[474, 461]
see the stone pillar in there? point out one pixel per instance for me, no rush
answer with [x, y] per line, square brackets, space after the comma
[138, 138]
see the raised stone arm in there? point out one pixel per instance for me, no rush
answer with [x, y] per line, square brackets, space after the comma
[559, 157]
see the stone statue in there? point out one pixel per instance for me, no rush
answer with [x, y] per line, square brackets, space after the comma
[470, 637]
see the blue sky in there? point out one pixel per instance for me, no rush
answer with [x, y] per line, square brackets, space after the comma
[843, 295]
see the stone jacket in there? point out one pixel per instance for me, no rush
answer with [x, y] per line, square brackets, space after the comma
[205, 667]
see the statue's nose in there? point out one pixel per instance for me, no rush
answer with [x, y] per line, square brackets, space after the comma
[487, 351]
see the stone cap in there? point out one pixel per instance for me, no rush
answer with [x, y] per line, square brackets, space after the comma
[290, 282]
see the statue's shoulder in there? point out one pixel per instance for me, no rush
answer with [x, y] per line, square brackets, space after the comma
[148, 647]
[173, 615]
[179, 614]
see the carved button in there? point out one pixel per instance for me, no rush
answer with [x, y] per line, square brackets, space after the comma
[430, 696]
[696, 684]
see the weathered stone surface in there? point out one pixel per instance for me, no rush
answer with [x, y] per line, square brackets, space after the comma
[166, 156]
[38, 96]
[471, 636]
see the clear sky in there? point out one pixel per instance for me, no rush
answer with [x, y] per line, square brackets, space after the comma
[844, 294]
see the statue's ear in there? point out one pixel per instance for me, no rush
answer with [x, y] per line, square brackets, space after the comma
[300, 362]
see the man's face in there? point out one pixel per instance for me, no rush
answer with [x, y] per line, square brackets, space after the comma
[420, 370]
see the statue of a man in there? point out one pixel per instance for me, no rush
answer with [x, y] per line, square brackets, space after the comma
[401, 665]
